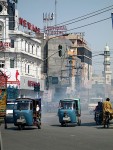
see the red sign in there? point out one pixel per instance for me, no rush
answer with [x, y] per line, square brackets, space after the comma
[4, 45]
[32, 83]
[28, 25]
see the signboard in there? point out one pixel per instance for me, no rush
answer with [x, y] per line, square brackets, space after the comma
[28, 25]
[55, 30]
[3, 95]
[48, 17]
[13, 76]
[13, 82]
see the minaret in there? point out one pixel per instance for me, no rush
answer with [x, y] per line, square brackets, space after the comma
[107, 69]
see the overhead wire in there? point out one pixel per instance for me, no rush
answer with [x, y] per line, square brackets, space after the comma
[85, 24]
[89, 23]
[85, 15]
[77, 28]
[81, 18]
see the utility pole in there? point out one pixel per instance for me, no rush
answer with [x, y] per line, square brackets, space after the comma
[73, 54]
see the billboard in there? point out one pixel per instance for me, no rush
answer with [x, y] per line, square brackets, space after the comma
[13, 82]
[13, 76]
[3, 95]
[55, 30]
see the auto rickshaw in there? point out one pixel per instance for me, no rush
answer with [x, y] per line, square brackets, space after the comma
[25, 114]
[69, 111]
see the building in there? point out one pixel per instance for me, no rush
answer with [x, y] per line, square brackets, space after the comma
[69, 64]
[20, 52]
[85, 54]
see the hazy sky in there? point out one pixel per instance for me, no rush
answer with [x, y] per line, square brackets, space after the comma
[97, 35]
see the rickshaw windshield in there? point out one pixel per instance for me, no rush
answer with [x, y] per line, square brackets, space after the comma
[66, 105]
[23, 106]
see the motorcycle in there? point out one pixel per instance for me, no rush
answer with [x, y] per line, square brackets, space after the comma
[98, 117]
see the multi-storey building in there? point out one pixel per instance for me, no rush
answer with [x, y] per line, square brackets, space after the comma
[69, 63]
[84, 53]
[20, 51]
[58, 77]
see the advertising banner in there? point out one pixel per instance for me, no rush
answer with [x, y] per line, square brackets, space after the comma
[13, 76]
[13, 82]
[3, 96]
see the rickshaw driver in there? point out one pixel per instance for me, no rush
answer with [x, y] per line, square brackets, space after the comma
[38, 113]
[37, 108]
[107, 107]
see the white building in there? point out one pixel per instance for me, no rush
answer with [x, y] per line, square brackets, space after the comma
[20, 52]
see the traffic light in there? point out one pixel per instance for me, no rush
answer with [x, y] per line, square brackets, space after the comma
[60, 50]
[37, 87]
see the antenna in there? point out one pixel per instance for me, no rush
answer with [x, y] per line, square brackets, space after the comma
[55, 12]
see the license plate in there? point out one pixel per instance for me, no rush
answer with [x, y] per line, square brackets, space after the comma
[20, 120]
[66, 118]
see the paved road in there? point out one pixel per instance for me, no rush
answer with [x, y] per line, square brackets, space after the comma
[52, 136]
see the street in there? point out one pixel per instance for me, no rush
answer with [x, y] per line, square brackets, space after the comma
[54, 137]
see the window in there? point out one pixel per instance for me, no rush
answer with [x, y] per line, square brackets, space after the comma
[36, 51]
[25, 46]
[28, 47]
[22, 106]
[32, 49]
[25, 68]
[28, 69]
[2, 64]
[10, 106]
[11, 63]
[12, 43]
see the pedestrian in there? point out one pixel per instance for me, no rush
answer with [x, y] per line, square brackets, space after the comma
[107, 107]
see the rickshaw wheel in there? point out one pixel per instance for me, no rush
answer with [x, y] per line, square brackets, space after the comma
[79, 122]
[62, 124]
[39, 126]
[20, 127]
[5, 126]
[66, 124]
[5, 123]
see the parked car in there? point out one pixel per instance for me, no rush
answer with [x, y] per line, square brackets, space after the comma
[9, 112]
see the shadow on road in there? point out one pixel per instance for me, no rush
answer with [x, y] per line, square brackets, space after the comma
[102, 127]
[26, 128]
[88, 124]
[75, 125]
